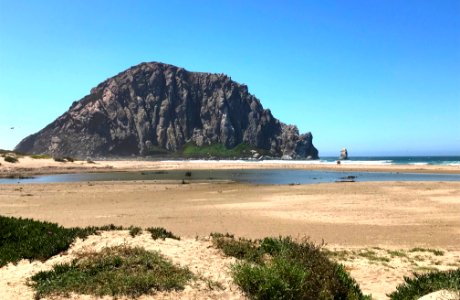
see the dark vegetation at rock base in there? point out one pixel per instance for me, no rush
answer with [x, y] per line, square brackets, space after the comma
[155, 109]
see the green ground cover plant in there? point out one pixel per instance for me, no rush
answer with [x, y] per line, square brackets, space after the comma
[372, 256]
[422, 284]
[161, 233]
[134, 231]
[281, 268]
[115, 271]
[10, 159]
[29, 239]
[241, 248]
[434, 251]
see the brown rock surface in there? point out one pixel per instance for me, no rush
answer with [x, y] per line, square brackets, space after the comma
[155, 106]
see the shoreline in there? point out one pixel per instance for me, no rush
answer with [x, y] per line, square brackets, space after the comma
[27, 166]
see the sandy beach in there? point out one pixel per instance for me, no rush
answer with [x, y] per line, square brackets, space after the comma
[28, 166]
[350, 218]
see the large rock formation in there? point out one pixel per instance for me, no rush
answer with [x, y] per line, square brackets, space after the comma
[160, 106]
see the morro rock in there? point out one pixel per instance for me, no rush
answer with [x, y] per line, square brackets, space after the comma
[155, 106]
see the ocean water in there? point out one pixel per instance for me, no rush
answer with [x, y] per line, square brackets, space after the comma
[363, 160]
[397, 160]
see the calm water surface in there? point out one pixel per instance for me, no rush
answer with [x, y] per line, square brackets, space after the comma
[247, 176]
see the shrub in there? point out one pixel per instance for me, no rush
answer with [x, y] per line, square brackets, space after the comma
[10, 159]
[216, 235]
[40, 156]
[161, 233]
[420, 285]
[29, 239]
[279, 268]
[95, 229]
[133, 231]
[281, 279]
[241, 248]
[434, 251]
[116, 271]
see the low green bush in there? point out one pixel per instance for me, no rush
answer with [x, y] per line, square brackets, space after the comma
[29, 239]
[116, 271]
[434, 251]
[422, 284]
[241, 248]
[280, 268]
[161, 233]
[281, 279]
[133, 231]
[10, 159]
[216, 235]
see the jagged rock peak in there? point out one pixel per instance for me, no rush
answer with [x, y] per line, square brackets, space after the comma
[156, 106]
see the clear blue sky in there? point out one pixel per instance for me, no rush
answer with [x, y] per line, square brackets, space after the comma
[377, 77]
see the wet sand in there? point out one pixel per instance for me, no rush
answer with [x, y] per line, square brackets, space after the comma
[29, 167]
[354, 214]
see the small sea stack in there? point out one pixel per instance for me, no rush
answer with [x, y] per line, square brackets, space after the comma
[343, 154]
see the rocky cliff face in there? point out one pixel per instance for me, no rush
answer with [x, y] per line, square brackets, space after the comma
[160, 106]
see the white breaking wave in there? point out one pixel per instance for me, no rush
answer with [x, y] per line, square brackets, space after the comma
[290, 162]
[367, 162]
[450, 163]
